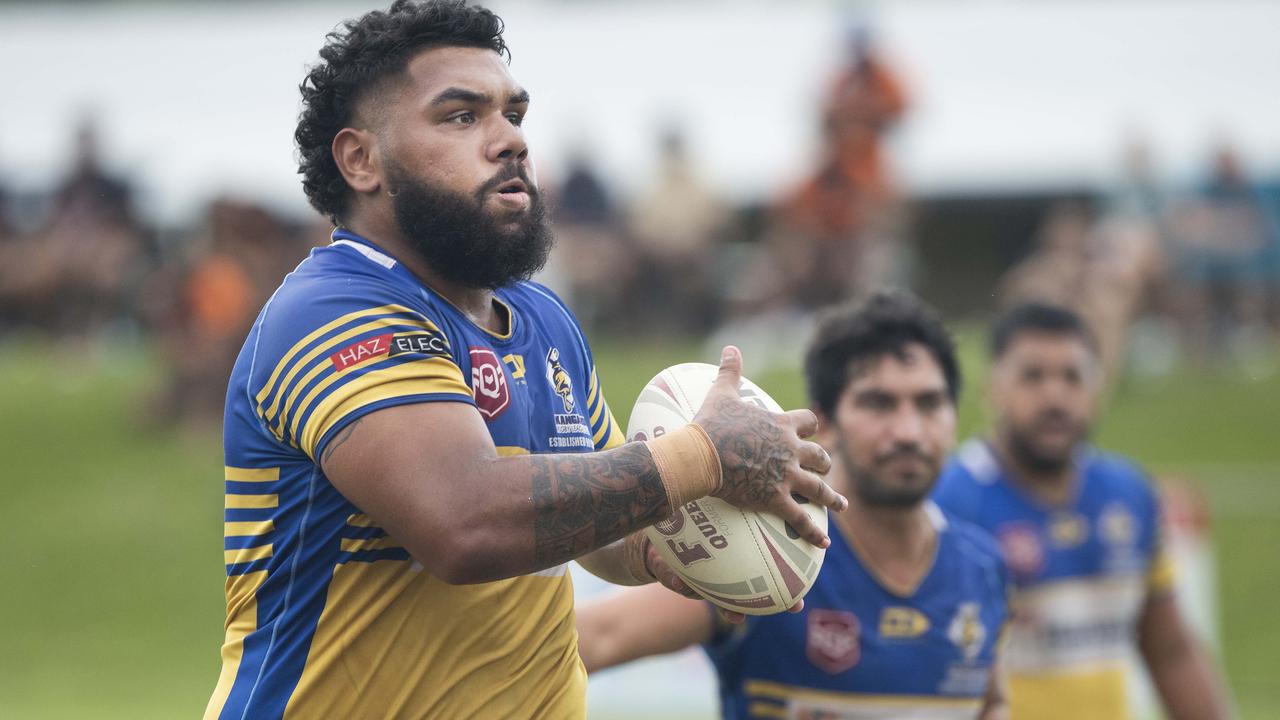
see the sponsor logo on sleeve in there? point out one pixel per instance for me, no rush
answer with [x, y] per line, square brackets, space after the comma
[427, 343]
[831, 640]
[489, 383]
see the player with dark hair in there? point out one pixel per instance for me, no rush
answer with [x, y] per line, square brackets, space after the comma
[416, 438]
[905, 616]
[1080, 531]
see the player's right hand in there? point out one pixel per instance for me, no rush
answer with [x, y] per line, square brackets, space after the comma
[763, 456]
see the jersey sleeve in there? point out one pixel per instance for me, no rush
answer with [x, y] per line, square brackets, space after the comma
[1161, 575]
[323, 360]
[604, 428]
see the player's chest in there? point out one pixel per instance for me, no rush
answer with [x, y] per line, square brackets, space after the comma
[533, 397]
[940, 647]
[1108, 538]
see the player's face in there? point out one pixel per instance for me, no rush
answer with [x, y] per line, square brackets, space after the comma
[893, 427]
[1044, 391]
[457, 166]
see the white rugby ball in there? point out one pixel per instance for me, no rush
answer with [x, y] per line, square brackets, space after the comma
[748, 562]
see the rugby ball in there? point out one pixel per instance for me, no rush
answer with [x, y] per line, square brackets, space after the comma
[748, 562]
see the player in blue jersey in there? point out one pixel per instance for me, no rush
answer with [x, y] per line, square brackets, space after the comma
[905, 616]
[1080, 530]
[416, 438]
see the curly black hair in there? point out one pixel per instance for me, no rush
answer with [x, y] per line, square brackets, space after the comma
[359, 56]
[848, 337]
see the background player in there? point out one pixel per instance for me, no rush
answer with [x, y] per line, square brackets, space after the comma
[416, 440]
[1080, 531]
[905, 616]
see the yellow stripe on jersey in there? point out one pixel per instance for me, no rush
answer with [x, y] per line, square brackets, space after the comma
[244, 555]
[287, 360]
[595, 388]
[239, 474]
[242, 619]
[235, 501]
[767, 689]
[509, 450]
[333, 344]
[361, 520]
[420, 377]
[358, 544]
[247, 528]
[765, 710]
[1098, 694]
[1161, 576]
[595, 416]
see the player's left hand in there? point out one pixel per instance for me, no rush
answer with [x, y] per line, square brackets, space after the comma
[670, 580]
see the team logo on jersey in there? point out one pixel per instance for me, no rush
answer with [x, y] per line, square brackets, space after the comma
[488, 383]
[1117, 525]
[1068, 529]
[897, 622]
[429, 343]
[560, 379]
[967, 631]
[1020, 544]
[831, 641]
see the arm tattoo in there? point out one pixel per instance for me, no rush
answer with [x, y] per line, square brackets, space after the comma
[753, 456]
[582, 502]
[343, 435]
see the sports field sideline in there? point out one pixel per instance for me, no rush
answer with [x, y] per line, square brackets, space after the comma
[112, 569]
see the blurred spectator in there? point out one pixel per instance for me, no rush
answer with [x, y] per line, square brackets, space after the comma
[593, 255]
[675, 226]
[1225, 242]
[842, 229]
[1100, 269]
[203, 303]
[80, 271]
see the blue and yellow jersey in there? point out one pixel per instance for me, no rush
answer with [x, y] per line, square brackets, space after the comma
[862, 649]
[1081, 574]
[327, 615]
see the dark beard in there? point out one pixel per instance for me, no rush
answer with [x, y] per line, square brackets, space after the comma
[873, 492]
[1027, 455]
[462, 242]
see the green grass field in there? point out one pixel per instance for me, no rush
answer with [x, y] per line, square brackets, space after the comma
[112, 571]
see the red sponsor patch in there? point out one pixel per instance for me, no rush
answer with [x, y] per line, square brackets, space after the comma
[832, 639]
[1022, 549]
[357, 353]
[489, 383]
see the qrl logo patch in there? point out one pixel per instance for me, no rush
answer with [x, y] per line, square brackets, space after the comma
[832, 640]
[1020, 544]
[488, 383]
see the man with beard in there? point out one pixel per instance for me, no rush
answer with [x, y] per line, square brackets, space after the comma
[904, 619]
[416, 439]
[1080, 531]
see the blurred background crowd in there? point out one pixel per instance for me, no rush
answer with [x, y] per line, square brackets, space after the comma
[1189, 268]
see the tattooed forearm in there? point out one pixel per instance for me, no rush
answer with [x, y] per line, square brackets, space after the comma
[753, 455]
[343, 435]
[582, 502]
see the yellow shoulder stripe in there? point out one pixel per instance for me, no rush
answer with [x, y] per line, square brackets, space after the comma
[239, 474]
[332, 343]
[244, 555]
[247, 528]
[412, 378]
[288, 357]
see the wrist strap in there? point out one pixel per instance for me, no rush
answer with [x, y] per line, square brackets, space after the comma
[687, 463]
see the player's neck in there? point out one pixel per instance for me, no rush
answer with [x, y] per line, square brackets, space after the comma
[478, 304]
[897, 545]
[1051, 487]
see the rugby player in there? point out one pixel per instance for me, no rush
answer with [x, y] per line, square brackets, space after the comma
[416, 439]
[905, 616]
[1080, 531]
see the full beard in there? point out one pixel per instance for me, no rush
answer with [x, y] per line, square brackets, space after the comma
[875, 490]
[462, 242]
